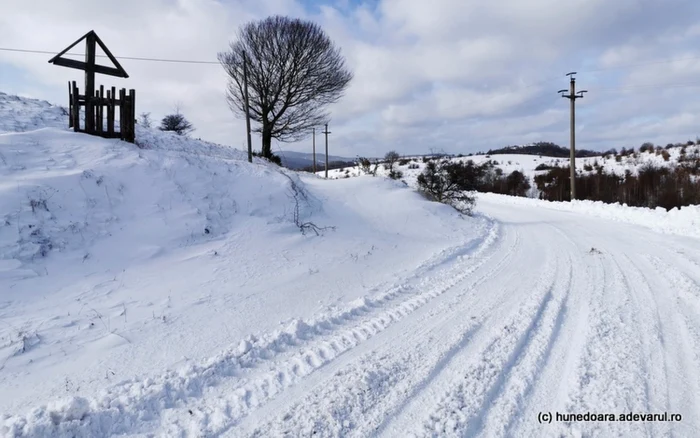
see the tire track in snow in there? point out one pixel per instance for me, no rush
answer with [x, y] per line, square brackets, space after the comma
[687, 304]
[687, 288]
[687, 298]
[351, 403]
[640, 347]
[487, 369]
[506, 383]
[613, 364]
[164, 398]
[261, 388]
[407, 370]
[505, 398]
[650, 332]
[554, 370]
[676, 337]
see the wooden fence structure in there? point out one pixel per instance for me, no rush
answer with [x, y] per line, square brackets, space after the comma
[101, 110]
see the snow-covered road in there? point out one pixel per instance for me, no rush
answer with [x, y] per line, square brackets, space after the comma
[552, 313]
[546, 312]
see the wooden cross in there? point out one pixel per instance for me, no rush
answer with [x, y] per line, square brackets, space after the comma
[90, 68]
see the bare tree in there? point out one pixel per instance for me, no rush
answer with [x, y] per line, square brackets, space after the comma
[145, 120]
[390, 159]
[294, 71]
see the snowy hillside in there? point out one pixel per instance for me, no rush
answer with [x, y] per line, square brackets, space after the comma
[528, 163]
[119, 263]
[684, 221]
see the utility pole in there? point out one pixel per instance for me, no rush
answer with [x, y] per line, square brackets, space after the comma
[246, 104]
[314, 146]
[326, 132]
[572, 96]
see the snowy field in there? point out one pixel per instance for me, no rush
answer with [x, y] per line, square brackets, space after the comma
[527, 164]
[169, 291]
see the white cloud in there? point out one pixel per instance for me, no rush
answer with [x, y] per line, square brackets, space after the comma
[446, 74]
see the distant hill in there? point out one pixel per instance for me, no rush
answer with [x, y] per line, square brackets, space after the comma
[302, 160]
[545, 149]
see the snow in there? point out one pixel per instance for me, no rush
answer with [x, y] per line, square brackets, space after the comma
[169, 291]
[684, 221]
[118, 262]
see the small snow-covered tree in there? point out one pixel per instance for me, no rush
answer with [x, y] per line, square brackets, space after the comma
[365, 166]
[450, 183]
[176, 123]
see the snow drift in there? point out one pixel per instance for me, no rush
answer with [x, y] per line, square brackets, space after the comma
[683, 221]
[122, 265]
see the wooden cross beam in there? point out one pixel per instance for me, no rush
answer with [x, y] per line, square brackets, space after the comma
[91, 39]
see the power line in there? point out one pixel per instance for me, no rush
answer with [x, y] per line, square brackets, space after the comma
[524, 86]
[188, 61]
[132, 58]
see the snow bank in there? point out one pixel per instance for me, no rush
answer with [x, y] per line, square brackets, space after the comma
[19, 114]
[684, 221]
[121, 260]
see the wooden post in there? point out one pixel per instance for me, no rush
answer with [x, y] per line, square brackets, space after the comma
[132, 116]
[110, 112]
[326, 132]
[89, 83]
[122, 106]
[100, 110]
[70, 106]
[76, 108]
[127, 117]
[313, 142]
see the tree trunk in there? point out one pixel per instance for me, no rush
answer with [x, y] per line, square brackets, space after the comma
[266, 138]
[267, 144]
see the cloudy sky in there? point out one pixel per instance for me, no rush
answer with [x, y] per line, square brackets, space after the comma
[443, 75]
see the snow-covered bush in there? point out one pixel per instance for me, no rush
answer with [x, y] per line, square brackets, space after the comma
[448, 182]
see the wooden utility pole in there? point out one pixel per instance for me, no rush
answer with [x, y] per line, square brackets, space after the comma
[572, 96]
[246, 104]
[326, 132]
[313, 137]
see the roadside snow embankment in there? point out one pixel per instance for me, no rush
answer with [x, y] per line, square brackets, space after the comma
[145, 263]
[684, 221]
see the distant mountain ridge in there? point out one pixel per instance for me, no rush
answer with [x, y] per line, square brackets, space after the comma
[301, 160]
